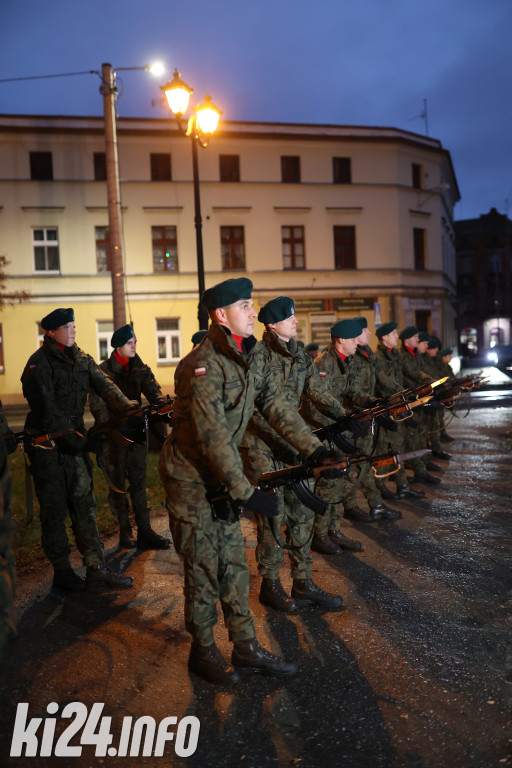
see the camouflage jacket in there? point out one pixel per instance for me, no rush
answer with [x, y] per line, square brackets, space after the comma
[138, 380]
[429, 366]
[411, 366]
[296, 375]
[366, 370]
[390, 361]
[217, 388]
[334, 372]
[56, 387]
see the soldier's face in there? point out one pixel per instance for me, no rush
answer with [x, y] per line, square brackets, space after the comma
[346, 346]
[238, 317]
[422, 347]
[364, 338]
[433, 352]
[64, 334]
[129, 349]
[413, 341]
[285, 329]
[391, 339]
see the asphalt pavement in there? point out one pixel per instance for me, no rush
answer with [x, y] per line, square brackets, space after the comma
[414, 672]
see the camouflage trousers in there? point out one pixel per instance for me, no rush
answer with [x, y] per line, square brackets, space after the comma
[214, 561]
[361, 476]
[331, 492]
[7, 569]
[393, 441]
[122, 464]
[63, 484]
[435, 425]
[297, 518]
[416, 439]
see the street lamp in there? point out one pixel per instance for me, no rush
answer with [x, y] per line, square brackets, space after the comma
[201, 125]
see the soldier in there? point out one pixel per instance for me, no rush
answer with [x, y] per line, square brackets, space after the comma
[415, 439]
[125, 368]
[391, 363]
[435, 410]
[56, 382]
[217, 388]
[296, 376]
[7, 569]
[360, 393]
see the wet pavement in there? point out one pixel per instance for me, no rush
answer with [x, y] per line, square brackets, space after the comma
[415, 672]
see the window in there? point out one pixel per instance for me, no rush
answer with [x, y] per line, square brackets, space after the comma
[229, 167]
[102, 238]
[168, 340]
[290, 169]
[422, 319]
[41, 167]
[165, 249]
[104, 331]
[100, 166]
[40, 333]
[232, 247]
[344, 247]
[46, 250]
[341, 170]
[160, 167]
[419, 248]
[417, 176]
[292, 240]
[2, 367]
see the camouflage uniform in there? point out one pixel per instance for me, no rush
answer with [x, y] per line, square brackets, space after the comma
[56, 384]
[7, 569]
[217, 389]
[131, 463]
[434, 417]
[390, 362]
[296, 375]
[415, 439]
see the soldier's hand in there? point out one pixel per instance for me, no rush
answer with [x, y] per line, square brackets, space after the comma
[324, 456]
[355, 426]
[436, 405]
[262, 503]
[132, 408]
[387, 423]
[411, 422]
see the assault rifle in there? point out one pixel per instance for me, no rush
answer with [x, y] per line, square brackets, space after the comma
[413, 393]
[43, 440]
[150, 413]
[296, 477]
[453, 389]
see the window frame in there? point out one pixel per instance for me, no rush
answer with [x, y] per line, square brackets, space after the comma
[44, 243]
[342, 246]
[163, 241]
[99, 160]
[231, 245]
[41, 166]
[229, 168]
[104, 335]
[290, 169]
[108, 249]
[292, 240]
[168, 334]
[420, 248]
[342, 170]
[160, 166]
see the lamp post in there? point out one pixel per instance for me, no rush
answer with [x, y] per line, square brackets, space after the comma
[201, 125]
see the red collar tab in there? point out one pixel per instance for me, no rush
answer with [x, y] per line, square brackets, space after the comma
[238, 341]
[123, 361]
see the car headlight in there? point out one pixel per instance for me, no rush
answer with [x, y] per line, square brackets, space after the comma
[492, 357]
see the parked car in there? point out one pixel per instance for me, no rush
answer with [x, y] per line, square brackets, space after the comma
[501, 357]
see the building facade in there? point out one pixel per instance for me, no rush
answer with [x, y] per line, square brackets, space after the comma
[347, 220]
[484, 281]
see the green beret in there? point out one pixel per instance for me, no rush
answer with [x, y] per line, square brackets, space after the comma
[386, 328]
[408, 332]
[423, 336]
[198, 336]
[311, 347]
[346, 329]
[276, 310]
[57, 318]
[363, 322]
[122, 336]
[445, 351]
[434, 343]
[226, 293]
[300, 343]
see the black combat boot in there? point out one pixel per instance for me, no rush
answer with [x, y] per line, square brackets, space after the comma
[405, 491]
[101, 575]
[442, 455]
[209, 663]
[356, 514]
[344, 542]
[248, 656]
[445, 438]
[431, 467]
[66, 578]
[272, 594]
[381, 512]
[147, 538]
[305, 592]
[427, 479]
[324, 545]
[126, 540]
[386, 492]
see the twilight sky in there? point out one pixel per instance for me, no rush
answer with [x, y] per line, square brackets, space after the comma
[345, 62]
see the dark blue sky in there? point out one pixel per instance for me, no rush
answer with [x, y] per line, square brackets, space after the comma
[347, 62]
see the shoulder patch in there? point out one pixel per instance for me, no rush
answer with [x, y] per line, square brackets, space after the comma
[32, 367]
[323, 374]
[200, 371]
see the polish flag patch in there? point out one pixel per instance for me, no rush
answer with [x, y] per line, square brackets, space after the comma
[200, 371]
[323, 374]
